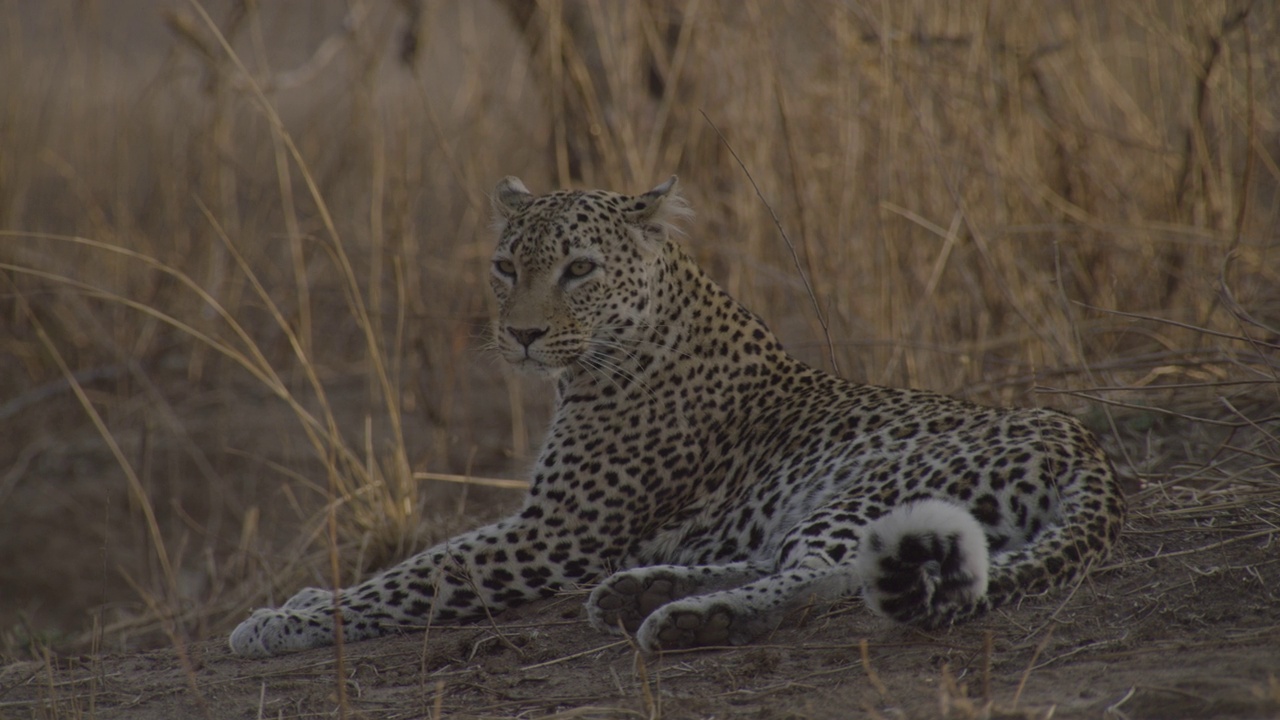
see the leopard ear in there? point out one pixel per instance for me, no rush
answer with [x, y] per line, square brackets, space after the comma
[509, 197]
[658, 211]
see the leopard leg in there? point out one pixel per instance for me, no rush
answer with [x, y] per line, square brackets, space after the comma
[489, 569]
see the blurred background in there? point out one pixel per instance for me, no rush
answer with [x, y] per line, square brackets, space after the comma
[243, 252]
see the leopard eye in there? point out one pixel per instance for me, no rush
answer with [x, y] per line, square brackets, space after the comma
[505, 267]
[579, 268]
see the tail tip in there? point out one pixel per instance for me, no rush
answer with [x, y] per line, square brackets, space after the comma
[924, 562]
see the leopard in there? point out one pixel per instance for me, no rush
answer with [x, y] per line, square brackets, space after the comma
[703, 484]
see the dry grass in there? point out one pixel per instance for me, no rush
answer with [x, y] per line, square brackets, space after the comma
[242, 253]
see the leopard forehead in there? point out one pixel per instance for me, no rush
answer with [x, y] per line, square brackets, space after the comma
[553, 226]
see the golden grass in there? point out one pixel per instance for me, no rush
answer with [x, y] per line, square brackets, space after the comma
[253, 243]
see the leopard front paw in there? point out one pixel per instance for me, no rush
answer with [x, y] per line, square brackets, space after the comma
[626, 598]
[274, 632]
[690, 623]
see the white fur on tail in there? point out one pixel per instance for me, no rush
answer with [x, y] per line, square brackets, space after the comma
[923, 561]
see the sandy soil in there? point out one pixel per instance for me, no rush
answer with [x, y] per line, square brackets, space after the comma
[1184, 623]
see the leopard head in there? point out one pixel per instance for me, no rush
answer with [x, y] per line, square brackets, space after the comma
[574, 271]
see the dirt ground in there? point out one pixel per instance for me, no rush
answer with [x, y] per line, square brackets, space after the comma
[1184, 623]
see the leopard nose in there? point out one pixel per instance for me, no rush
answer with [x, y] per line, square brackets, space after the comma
[526, 336]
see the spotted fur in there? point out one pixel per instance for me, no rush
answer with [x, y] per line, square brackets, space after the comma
[722, 479]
